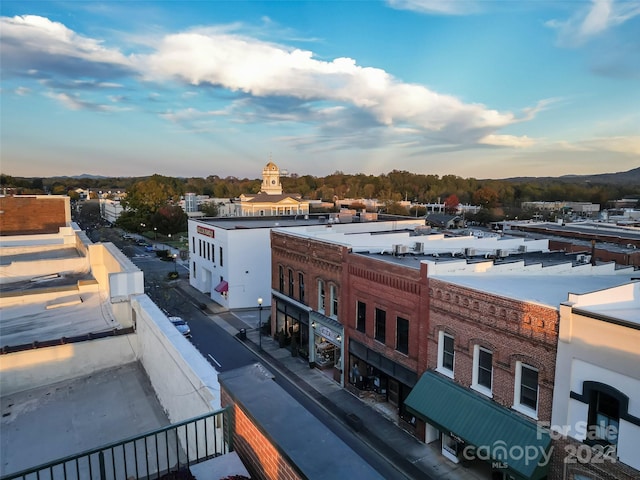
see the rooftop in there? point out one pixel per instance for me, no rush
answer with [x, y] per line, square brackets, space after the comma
[233, 223]
[69, 417]
[545, 278]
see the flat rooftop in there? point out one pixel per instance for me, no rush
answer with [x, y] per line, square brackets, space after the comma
[233, 223]
[583, 228]
[69, 417]
[69, 314]
[549, 290]
[545, 278]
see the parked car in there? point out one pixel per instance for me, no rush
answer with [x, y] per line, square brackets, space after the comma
[181, 325]
[148, 248]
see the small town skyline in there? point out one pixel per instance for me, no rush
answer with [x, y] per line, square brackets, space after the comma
[472, 89]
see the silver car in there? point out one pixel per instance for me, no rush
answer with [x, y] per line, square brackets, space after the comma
[181, 325]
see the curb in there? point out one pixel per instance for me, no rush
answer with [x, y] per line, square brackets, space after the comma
[404, 466]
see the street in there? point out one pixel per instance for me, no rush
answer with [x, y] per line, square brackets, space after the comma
[222, 350]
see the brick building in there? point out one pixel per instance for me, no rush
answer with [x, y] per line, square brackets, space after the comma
[33, 214]
[306, 290]
[493, 334]
[464, 349]
[385, 323]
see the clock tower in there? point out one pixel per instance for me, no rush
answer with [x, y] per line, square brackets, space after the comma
[271, 179]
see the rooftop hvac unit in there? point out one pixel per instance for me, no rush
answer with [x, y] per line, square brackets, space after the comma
[470, 252]
[400, 249]
[522, 248]
[418, 247]
[582, 258]
[502, 253]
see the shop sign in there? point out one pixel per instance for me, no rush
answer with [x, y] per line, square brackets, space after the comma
[207, 232]
[327, 333]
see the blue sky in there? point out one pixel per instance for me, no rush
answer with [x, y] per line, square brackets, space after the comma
[195, 88]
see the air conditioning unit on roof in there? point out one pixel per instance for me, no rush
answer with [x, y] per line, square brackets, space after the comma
[400, 249]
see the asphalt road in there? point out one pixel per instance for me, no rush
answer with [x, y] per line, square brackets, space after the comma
[223, 351]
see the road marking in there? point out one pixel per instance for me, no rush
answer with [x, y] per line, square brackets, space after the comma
[215, 361]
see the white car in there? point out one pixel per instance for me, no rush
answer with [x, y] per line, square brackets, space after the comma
[181, 325]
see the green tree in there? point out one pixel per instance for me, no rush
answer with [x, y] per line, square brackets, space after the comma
[395, 208]
[210, 209]
[147, 196]
[169, 219]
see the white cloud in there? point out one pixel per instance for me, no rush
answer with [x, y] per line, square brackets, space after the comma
[40, 36]
[22, 91]
[279, 83]
[593, 20]
[74, 102]
[262, 69]
[189, 114]
[442, 7]
[629, 145]
[507, 141]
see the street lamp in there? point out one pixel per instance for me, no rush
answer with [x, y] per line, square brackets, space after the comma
[155, 233]
[260, 322]
[175, 263]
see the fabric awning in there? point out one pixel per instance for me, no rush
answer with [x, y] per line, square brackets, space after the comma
[493, 430]
[222, 287]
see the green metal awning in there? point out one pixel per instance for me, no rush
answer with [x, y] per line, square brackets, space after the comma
[497, 433]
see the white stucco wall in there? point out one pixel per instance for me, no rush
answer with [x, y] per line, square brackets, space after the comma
[246, 265]
[594, 349]
[185, 383]
[43, 366]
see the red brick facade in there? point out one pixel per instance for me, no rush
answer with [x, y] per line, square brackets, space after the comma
[572, 460]
[314, 260]
[29, 215]
[259, 455]
[621, 257]
[398, 290]
[513, 330]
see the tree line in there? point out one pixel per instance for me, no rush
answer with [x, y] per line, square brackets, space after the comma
[394, 186]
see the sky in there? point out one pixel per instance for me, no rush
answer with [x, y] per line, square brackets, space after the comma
[473, 88]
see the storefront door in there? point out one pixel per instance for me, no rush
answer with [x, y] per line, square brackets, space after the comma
[394, 392]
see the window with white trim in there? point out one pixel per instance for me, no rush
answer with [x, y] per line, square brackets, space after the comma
[526, 390]
[446, 354]
[482, 377]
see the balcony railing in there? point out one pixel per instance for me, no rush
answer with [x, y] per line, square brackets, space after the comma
[149, 456]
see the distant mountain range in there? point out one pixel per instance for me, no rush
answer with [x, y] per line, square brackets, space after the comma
[631, 177]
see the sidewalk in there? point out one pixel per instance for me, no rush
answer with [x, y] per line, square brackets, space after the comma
[413, 458]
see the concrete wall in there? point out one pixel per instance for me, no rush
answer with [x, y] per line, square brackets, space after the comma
[43, 366]
[185, 384]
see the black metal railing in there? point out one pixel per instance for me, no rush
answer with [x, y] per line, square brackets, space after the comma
[149, 456]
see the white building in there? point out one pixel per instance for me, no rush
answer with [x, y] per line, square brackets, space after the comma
[596, 398]
[110, 210]
[231, 257]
